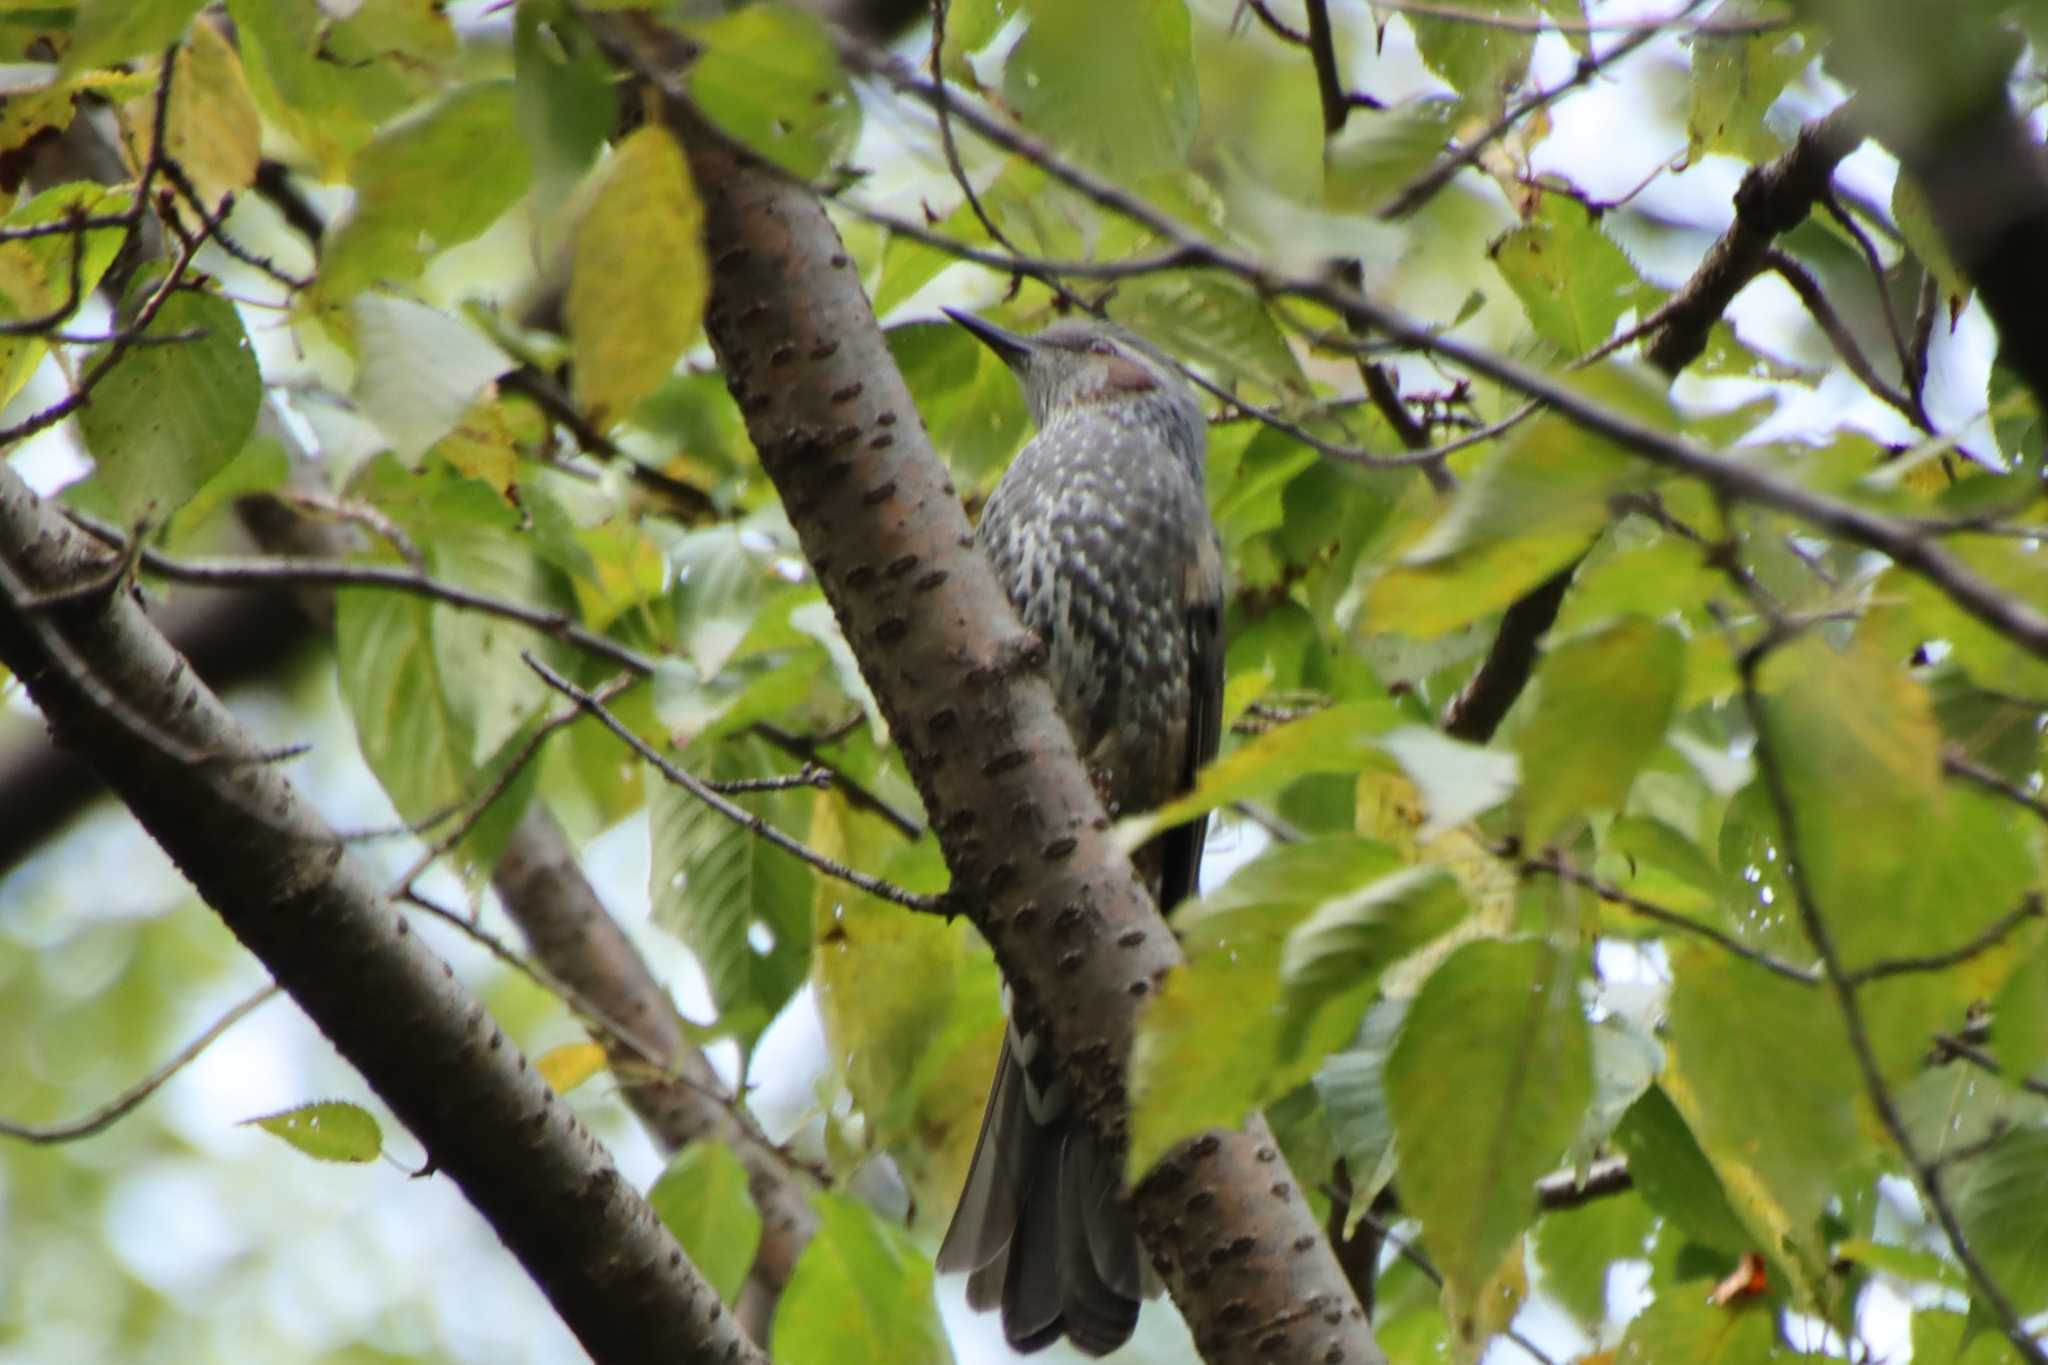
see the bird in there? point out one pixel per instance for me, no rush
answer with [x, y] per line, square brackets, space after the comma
[1101, 536]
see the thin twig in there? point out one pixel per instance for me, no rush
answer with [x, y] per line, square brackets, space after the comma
[1719, 28]
[1566, 1190]
[502, 781]
[1844, 341]
[1424, 187]
[1949, 1045]
[745, 819]
[1992, 935]
[1554, 865]
[1956, 763]
[118, 1108]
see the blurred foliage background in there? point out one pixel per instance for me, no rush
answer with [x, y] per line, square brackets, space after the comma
[453, 317]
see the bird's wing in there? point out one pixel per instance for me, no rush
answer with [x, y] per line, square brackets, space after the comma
[1181, 846]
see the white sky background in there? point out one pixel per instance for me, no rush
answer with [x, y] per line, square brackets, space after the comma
[355, 1239]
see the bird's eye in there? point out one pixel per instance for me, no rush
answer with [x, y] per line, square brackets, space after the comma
[1102, 348]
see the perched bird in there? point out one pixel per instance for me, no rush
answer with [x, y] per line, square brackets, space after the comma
[1100, 533]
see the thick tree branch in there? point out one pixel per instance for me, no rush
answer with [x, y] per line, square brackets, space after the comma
[276, 875]
[1772, 199]
[960, 683]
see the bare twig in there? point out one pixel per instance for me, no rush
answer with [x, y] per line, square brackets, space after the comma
[745, 819]
[1992, 935]
[1566, 1190]
[1554, 865]
[502, 781]
[1956, 763]
[1424, 187]
[1844, 341]
[125, 1103]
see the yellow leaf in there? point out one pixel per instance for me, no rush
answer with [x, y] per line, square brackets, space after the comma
[212, 130]
[638, 280]
[570, 1065]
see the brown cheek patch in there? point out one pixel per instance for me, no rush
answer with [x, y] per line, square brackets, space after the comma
[1127, 376]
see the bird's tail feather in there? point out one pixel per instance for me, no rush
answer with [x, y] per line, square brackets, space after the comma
[1040, 1227]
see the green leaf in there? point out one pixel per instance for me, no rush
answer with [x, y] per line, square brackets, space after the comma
[1337, 954]
[1353, 1088]
[1915, 217]
[1572, 279]
[1213, 320]
[1777, 1123]
[1379, 152]
[1488, 1082]
[861, 1294]
[108, 31]
[1735, 79]
[1338, 739]
[639, 280]
[1204, 1051]
[2020, 1018]
[742, 905]
[1899, 864]
[332, 1130]
[1234, 1028]
[1113, 84]
[169, 416]
[721, 579]
[1578, 1247]
[1998, 1199]
[35, 275]
[1481, 61]
[566, 105]
[702, 1200]
[422, 369]
[1602, 707]
[1685, 1327]
[1674, 1176]
[1530, 510]
[319, 80]
[769, 76]
[427, 183]
[968, 398]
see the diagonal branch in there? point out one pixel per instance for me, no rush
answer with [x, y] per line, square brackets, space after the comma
[272, 870]
[959, 682]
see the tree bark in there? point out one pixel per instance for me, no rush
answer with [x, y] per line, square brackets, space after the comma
[961, 685]
[113, 689]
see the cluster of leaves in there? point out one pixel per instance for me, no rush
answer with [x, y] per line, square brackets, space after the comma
[1476, 965]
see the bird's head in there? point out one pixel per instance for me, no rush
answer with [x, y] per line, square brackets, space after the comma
[1073, 366]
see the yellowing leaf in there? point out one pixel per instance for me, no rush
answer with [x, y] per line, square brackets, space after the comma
[639, 281]
[570, 1065]
[213, 130]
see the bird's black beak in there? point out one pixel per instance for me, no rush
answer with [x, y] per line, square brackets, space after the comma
[1005, 343]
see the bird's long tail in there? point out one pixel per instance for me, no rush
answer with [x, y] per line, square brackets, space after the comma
[1040, 1228]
